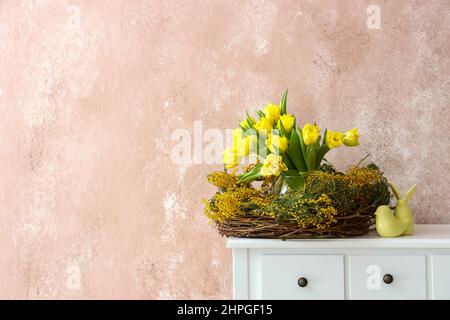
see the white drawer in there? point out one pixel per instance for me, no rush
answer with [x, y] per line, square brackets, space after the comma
[441, 276]
[280, 274]
[368, 276]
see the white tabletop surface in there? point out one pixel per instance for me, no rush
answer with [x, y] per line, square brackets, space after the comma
[425, 236]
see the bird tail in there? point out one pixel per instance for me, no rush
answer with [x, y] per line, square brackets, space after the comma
[409, 194]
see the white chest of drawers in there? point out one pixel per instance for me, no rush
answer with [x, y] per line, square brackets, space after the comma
[370, 267]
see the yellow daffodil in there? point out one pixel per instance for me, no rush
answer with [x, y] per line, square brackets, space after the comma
[310, 133]
[273, 165]
[263, 124]
[272, 112]
[230, 158]
[333, 139]
[276, 143]
[351, 138]
[288, 122]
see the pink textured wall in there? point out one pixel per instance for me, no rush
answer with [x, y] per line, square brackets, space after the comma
[90, 92]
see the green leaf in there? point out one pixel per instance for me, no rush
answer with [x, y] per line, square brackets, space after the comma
[295, 153]
[283, 102]
[290, 172]
[250, 132]
[324, 139]
[252, 127]
[260, 113]
[302, 142]
[262, 148]
[311, 157]
[282, 130]
[249, 118]
[287, 160]
[323, 149]
[252, 175]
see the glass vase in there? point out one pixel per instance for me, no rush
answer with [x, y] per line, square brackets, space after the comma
[291, 182]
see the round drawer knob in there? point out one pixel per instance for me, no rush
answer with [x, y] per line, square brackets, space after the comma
[388, 278]
[302, 282]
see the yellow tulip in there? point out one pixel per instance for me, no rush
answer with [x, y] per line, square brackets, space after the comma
[351, 138]
[246, 123]
[288, 122]
[273, 165]
[245, 145]
[230, 158]
[272, 112]
[237, 135]
[310, 133]
[333, 139]
[276, 143]
[263, 124]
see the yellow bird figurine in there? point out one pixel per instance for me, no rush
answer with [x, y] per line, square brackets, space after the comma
[387, 224]
[390, 224]
[402, 210]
